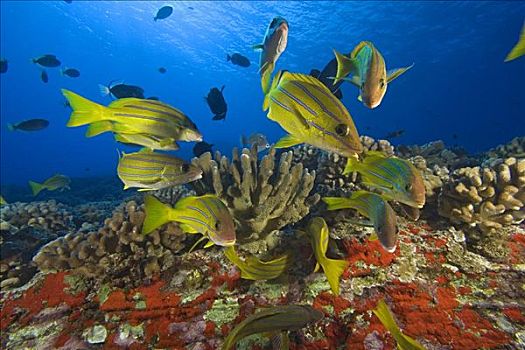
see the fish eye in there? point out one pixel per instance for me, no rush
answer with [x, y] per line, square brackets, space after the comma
[342, 129]
[408, 187]
[185, 167]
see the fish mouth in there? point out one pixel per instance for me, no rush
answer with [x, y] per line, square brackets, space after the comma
[228, 243]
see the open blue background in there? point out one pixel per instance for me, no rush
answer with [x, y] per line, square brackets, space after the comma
[459, 84]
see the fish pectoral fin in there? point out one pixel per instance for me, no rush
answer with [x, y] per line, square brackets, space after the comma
[197, 243]
[317, 267]
[359, 98]
[209, 244]
[280, 341]
[287, 141]
[391, 74]
[258, 47]
[355, 79]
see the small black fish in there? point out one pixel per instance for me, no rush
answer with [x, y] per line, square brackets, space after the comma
[201, 148]
[455, 136]
[44, 76]
[122, 91]
[47, 61]
[190, 8]
[394, 134]
[163, 12]
[152, 98]
[238, 60]
[71, 72]
[217, 103]
[324, 76]
[68, 1]
[162, 70]
[3, 65]
[29, 125]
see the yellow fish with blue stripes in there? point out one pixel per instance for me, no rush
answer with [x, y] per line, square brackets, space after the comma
[397, 179]
[374, 207]
[206, 215]
[56, 182]
[369, 73]
[310, 113]
[151, 142]
[255, 269]
[148, 170]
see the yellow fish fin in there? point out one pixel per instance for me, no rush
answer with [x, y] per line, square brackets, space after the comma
[287, 141]
[317, 267]
[404, 342]
[145, 189]
[360, 98]
[187, 228]
[84, 110]
[36, 187]
[167, 141]
[98, 128]
[352, 164]
[359, 46]
[519, 49]
[333, 269]
[266, 74]
[197, 243]
[275, 82]
[394, 73]
[345, 65]
[373, 237]
[335, 203]
[145, 150]
[157, 214]
[209, 244]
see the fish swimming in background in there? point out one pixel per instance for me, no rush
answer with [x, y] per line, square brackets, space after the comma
[201, 148]
[374, 207]
[519, 49]
[49, 61]
[162, 70]
[317, 231]
[153, 171]
[369, 73]
[397, 179]
[217, 103]
[326, 77]
[119, 90]
[150, 142]
[29, 125]
[394, 134]
[132, 116]
[206, 215]
[255, 269]
[163, 13]
[276, 321]
[311, 114]
[238, 60]
[3, 65]
[3, 201]
[274, 44]
[256, 139]
[71, 72]
[55, 182]
[43, 76]
[404, 342]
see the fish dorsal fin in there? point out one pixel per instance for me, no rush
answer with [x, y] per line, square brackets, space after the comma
[288, 141]
[303, 78]
[359, 46]
[391, 74]
[122, 102]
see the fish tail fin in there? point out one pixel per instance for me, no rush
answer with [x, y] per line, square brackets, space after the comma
[352, 164]
[84, 110]
[266, 74]
[335, 203]
[104, 90]
[35, 187]
[228, 58]
[99, 127]
[333, 269]
[344, 66]
[11, 127]
[157, 214]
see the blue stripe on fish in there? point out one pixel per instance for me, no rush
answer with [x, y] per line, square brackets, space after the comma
[202, 212]
[130, 115]
[281, 104]
[316, 100]
[189, 218]
[155, 111]
[301, 103]
[388, 180]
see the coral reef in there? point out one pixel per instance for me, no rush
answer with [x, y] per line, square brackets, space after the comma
[514, 148]
[118, 252]
[263, 196]
[172, 194]
[50, 216]
[435, 153]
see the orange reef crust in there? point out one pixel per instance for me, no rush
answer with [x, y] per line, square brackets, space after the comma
[434, 311]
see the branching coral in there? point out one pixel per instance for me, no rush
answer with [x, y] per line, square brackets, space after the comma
[48, 215]
[118, 251]
[515, 148]
[263, 196]
[488, 197]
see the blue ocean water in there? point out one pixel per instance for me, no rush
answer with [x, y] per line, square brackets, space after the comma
[458, 86]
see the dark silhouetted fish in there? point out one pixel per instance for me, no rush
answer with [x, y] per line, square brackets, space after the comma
[47, 61]
[201, 148]
[394, 134]
[238, 60]
[44, 76]
[329, 71]
[190, 8]
[29, 125]
[122, 91]
[162, 70]
[71, 72]
[3, 65]
[217, 103]
[163, 12]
